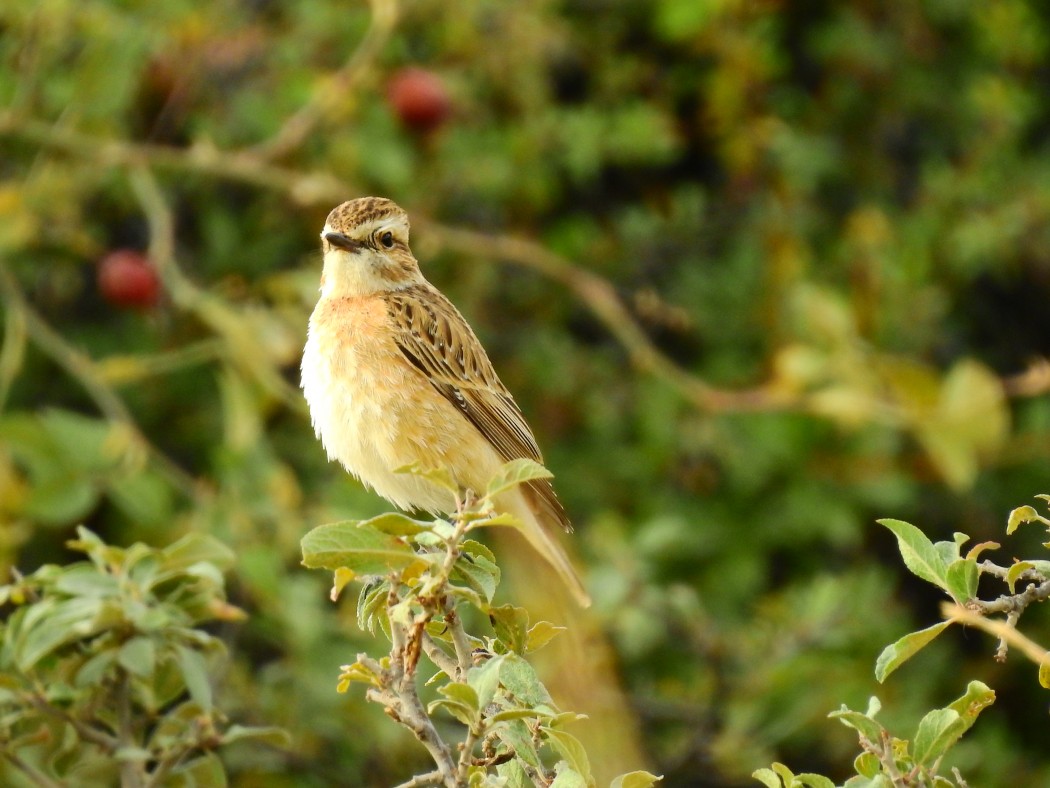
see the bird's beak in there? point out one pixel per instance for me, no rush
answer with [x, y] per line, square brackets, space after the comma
[340, 241]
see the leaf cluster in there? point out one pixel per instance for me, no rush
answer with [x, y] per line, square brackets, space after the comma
[420, 582]
[105, 670]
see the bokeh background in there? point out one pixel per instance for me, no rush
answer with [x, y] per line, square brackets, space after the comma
[758, 273]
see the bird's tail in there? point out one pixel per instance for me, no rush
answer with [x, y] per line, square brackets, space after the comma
[545, 543]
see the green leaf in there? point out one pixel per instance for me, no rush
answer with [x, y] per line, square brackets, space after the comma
[1013, 574]
[516, 735]
[514, 774]
[1044, 675]
[84, 579]
[439, 476]
[569, 748]
[510, 624]
[520, 679]
[864, 724]
[938, 731]
[768, 778]
[397, 524]
[479, 574]
[1020, 515]
[567, 777]
[540, 635]
[276, 737]
[896, 654]
[918, 552]
[461, 711]
[977, 698]
[356, 546]
[867, 765]
[637, 779]
[138, 656]
[975, 551]
[194, 671]
[961, 579]
[519, 714]
[193, 549]
[484, 679]
[50, 624]
[814, 780]
[461, 693]
[514, 473]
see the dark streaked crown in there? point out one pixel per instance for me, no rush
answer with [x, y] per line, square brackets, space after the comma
[364, 210]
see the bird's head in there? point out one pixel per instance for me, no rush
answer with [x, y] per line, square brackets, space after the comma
[365, 245]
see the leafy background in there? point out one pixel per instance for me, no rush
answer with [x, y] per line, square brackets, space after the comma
[757, 272]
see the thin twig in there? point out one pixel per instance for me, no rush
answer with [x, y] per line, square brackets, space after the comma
[422, 780]
[30, 771]
[298, 126]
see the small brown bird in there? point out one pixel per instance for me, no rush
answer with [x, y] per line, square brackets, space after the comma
[394, 375]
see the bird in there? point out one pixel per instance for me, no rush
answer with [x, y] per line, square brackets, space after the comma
[394, 376]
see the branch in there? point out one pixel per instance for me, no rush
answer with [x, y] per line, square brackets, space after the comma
[1004, 630]
[85, 371]
[439, 656]
[1015, 603]
[30, 771]
[322, 188]
[405, 708]
[421, 780]
[245, 351]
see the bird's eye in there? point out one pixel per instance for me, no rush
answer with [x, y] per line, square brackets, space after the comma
[387, 240]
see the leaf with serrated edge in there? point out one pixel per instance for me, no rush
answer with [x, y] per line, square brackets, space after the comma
[485, 680]
[541, 634]
[461, 693]
[514, 473]
[811, 780]
[961, 578]
[938, 731]
[918, 552]
[896, 654]
[977, 698]
[439, 476]
[637, 779]
[397, 524]
[569, 748]
[862, 723]
[460, 711]
[355, 546]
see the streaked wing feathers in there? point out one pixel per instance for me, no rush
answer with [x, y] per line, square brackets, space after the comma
[436, 339]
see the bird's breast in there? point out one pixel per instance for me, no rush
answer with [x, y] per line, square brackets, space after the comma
[374, 412]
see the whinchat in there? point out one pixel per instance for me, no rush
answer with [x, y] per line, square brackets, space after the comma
[394, 376]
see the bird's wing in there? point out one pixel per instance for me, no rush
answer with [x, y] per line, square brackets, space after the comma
[435, 338]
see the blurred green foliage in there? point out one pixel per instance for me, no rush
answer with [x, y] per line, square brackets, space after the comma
[834, 215]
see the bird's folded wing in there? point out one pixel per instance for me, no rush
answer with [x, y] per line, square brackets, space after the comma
[436, 339]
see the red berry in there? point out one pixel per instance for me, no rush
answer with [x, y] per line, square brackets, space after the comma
[127, 279]
[419, 99]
